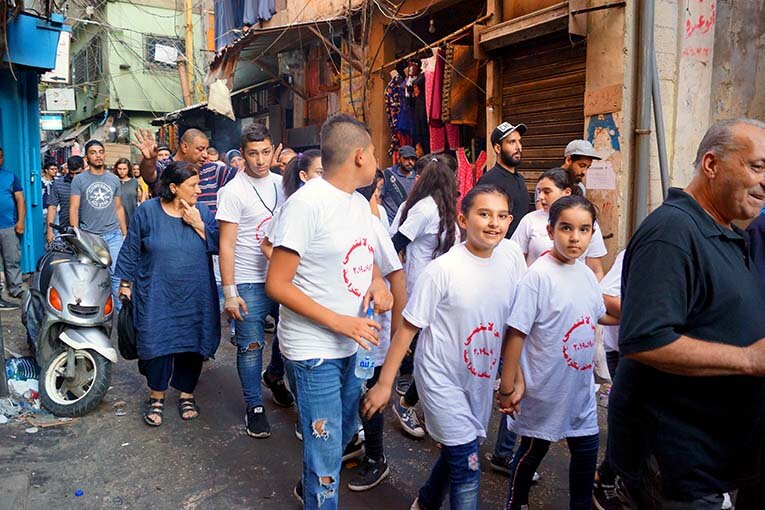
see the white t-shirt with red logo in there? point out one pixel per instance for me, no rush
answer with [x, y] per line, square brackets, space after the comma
[250, 203]
[611, 285]
[331, 230]
[387, 260]
[531, 235]
[460, 302]
[557, 306]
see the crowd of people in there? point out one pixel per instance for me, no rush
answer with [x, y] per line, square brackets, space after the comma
[472, 304]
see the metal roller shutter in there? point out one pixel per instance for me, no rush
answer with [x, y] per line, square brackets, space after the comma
[543, 84]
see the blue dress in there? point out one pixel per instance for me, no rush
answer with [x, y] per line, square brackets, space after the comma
[175, 298]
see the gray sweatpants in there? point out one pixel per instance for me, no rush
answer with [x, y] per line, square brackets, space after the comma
[11, 251]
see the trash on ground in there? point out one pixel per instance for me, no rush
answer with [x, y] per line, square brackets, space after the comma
[48, 421]
[32, 430]
[21, 369]
[119, 407]
[78, 493]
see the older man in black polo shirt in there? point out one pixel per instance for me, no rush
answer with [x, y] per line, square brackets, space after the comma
[686, 412]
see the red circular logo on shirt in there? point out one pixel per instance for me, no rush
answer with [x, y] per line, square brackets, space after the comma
[579, 344]
[259, 237]
[479, 353]
[357, 267]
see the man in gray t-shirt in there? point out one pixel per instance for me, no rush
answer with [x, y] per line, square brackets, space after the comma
[95, 205]
[98, 196]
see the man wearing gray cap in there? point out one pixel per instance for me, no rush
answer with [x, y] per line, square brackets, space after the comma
[506, 140]
[398, 181]
[579, 157]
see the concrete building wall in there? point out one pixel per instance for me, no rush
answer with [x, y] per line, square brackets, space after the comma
[738, 75]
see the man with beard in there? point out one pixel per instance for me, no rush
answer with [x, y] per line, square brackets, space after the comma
[579, 156]
[95, 205]
[398, 181]
[506, 140]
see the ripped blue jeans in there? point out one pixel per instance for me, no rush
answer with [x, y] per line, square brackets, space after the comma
[457, 472]
[328, 395]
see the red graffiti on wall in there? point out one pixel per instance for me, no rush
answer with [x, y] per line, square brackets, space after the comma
[703, 25]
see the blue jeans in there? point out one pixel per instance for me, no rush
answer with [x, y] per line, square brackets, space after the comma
[327, 393]
[250, 340]
[581, 470]
[114, 240]
[505, 440]
[457, 471]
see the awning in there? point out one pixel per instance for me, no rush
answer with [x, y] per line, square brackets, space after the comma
[176, 114]
[68, 136]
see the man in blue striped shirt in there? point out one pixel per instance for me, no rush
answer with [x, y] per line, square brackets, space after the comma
[58, 198]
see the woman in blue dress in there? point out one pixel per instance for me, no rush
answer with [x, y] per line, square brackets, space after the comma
[165, 267]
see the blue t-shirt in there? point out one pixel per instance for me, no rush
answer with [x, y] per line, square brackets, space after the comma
[9, 184]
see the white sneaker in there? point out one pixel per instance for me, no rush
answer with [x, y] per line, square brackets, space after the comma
[415, 505]
[727, 504]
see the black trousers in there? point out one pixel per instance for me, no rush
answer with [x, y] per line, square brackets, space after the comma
[605, 471]
[373, 428]
[180, 370]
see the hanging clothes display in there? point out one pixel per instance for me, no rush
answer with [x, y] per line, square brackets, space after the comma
[257, 10]
[447, 86]
[468, 173]
[393, 99]
[228, 17]
[433, 78]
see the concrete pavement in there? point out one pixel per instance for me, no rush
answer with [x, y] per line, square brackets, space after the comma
[209, 463]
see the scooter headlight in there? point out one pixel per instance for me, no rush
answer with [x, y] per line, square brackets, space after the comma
[54, 298]
[109, 306]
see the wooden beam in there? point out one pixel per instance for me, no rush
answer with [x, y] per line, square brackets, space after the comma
[337, 50]
[435, 44]
[275, 75]
[543, 21]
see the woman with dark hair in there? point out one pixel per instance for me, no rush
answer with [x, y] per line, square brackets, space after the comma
[165, 267]
[301, 169]
[426, 229]
[130, 190]
[531, 233]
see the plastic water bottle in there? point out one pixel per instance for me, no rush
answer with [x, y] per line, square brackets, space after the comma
[365, 360]
[21, 369]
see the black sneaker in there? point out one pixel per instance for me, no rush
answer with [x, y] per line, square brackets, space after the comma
[369, 475]
[298, 491]
[402, 384]
[354, 449]
[279, 392]
[7, 306]
[256, 423]
[605, 497]
[500, 464]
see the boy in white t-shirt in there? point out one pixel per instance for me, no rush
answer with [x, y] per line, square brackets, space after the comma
[322, 272]
[245, 207]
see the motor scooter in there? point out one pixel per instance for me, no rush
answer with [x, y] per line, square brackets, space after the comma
[68, 316]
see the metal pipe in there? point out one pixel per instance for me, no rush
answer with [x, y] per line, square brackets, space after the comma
[643, 113]
[658, 115]
[3, 380]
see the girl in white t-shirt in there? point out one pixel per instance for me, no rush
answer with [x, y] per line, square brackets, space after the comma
[458, 305]
[549, 355]
[531, 234]
[426, 229]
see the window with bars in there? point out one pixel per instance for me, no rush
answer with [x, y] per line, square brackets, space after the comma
[87, 64]
[163, 52]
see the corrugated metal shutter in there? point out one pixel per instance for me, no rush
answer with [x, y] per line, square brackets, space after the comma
[543, 84]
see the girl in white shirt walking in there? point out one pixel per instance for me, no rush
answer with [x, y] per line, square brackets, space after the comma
[531, 234]
[458, 304]
[549, 356]
[426, 229]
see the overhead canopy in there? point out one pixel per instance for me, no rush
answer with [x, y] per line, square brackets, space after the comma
[252, 58]
[68, 136]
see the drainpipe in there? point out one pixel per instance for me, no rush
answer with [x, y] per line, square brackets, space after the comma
[643, 113]
[658, 115]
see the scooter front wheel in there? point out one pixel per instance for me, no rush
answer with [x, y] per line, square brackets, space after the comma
[78, 395]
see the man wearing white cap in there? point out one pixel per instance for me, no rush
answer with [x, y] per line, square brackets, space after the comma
[506, 140]
[579, 157]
